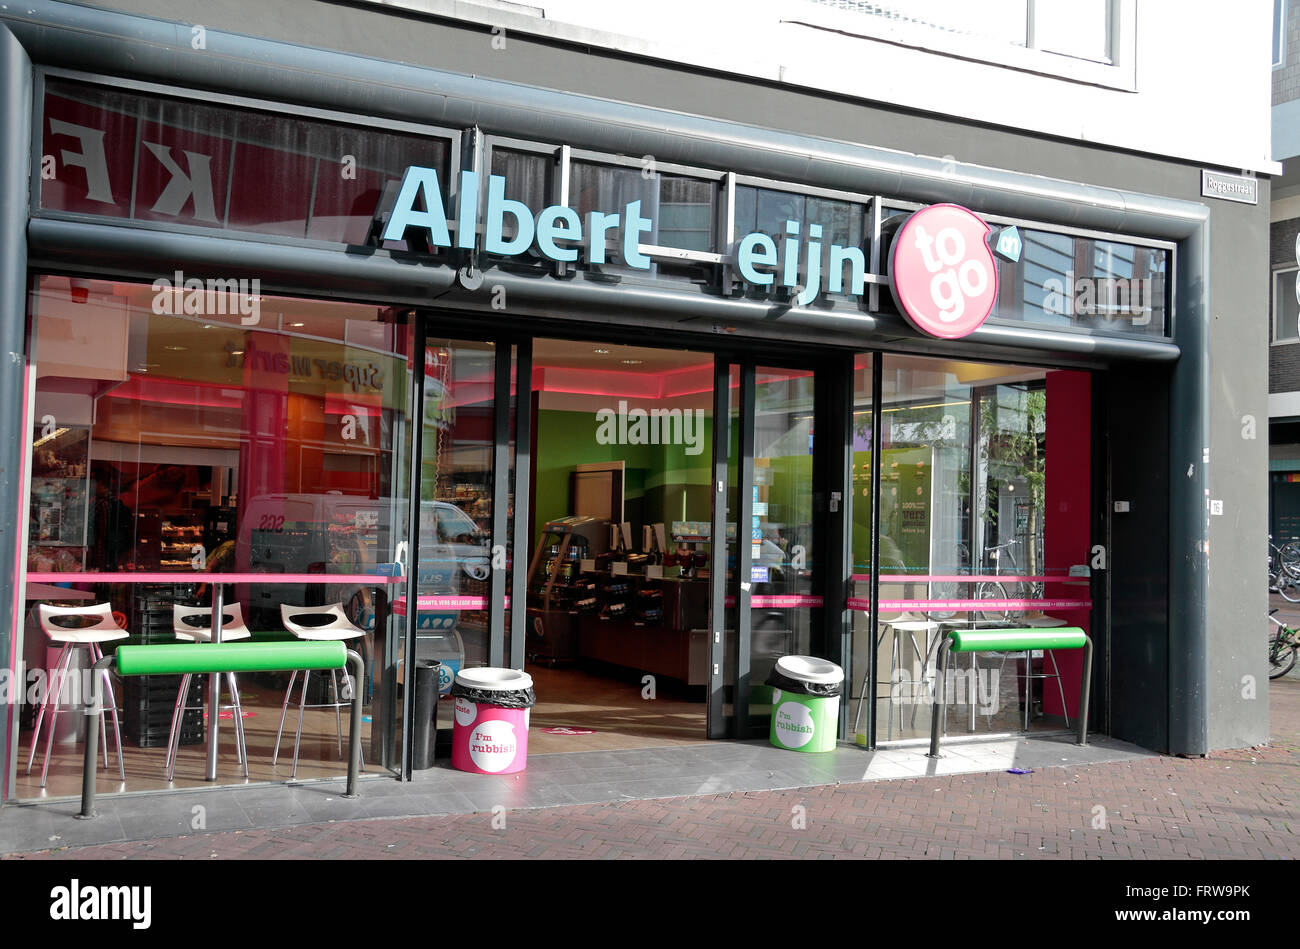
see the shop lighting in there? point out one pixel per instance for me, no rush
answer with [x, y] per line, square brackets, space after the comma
[632, 362]
[603, 352]
[176, 349]
[928, 405]
[50, 437]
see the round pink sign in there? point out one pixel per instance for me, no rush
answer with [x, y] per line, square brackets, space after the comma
[944, 277]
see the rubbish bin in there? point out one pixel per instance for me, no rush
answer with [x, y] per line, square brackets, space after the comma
[805, 703]
[425, 732]
[491, 707]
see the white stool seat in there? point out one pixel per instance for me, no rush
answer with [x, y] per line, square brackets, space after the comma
[75, 627]
[232, 624]
[913, 626]
[325, 623]
[103, 630]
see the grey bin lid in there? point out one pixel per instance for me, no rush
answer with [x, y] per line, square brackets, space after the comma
[809, 669]
[494, 680]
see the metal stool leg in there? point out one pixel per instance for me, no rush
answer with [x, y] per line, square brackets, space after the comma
[1029, 684]
[302, 707]
[283, 711]
[1060, 688]
[50, 692]
[237, 712]
[178, 714]
[181, 698]
[98, 655]
[54, 719]
[913, 683]
[338, 715]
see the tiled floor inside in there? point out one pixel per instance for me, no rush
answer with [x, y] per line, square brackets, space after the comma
[550, 779]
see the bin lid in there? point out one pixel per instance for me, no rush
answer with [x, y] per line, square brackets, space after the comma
[494, 680]
[809, 669]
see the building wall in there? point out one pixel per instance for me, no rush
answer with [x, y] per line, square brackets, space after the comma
[1235, 337]
[1155, 100]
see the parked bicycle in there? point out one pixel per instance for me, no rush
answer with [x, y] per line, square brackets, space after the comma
[1283, 641]
[1284, 569]
[999, 559]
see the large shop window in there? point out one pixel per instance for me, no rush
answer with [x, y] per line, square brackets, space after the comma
[984, 523]
[173, 161]
[260, 442]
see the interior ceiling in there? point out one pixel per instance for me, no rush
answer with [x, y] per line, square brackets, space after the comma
[327, 319]
[571, 354]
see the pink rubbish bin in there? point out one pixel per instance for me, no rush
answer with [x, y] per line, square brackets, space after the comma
[489, 738]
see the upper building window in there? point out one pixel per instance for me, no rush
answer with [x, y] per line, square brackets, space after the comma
[1279, 33]
[1086, 40]
[1286, 306]
[1081, 28]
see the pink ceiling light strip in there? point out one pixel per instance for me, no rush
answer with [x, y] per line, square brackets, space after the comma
[197, 577]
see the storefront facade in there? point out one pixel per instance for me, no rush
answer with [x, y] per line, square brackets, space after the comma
[221, 280]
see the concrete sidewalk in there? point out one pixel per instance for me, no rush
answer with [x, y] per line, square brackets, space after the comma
[1120, 802]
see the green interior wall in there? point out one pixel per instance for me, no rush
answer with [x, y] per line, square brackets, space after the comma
[660, 481]
[904, 541]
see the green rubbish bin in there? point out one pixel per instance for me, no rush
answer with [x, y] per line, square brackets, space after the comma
[805, 703]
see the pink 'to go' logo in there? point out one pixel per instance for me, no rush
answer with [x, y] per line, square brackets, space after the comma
[944, 277]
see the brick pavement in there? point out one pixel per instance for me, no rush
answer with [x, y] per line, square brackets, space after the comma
[1236, 804]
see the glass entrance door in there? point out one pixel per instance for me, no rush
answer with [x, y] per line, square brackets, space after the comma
[776, 509]
[462, 557]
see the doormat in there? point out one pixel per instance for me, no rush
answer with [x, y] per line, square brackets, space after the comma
[564, 730]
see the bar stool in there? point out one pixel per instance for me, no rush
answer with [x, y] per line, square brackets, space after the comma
[909, 625]
[1039, 621]
[76, 627]
[319, 624]
[193, 624]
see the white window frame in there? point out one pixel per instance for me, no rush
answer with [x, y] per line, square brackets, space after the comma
[1276, 300]
[1120, 73]
[1279, 17]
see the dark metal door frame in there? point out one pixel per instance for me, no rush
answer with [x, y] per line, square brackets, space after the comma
[424, 324]
[832, 536]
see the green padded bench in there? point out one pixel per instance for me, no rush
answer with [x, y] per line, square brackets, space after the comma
[1011, 640]
[213, 658]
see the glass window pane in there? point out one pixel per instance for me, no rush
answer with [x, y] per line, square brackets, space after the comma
[175, 448]
[766, 211]
[781, 532]
[1104, 286]
[456, 507]
[1080, 28]
[982, 513]
[680, 211]
[1286, 311]
[175, 161]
